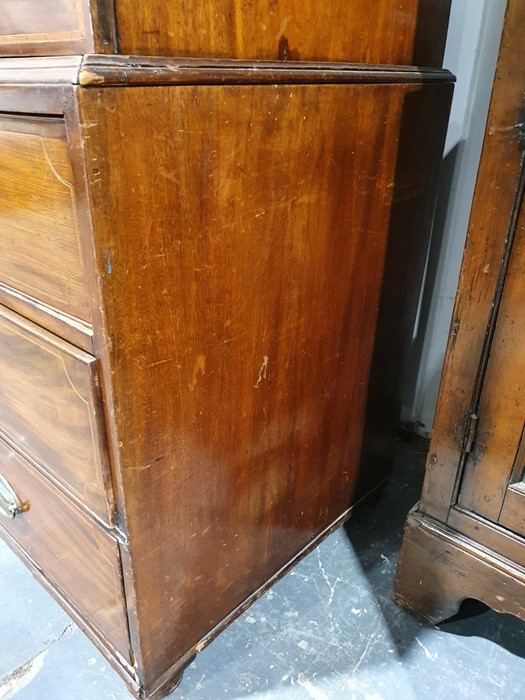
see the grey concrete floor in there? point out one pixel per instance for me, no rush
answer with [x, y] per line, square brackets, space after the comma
[328, 630]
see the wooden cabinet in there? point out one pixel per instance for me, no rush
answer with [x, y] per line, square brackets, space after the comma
[466, 537]
[406, 32]
[208, 272]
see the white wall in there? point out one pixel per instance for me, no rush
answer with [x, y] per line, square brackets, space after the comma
[471, 54]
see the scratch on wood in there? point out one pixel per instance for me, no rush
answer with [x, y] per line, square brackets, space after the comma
[52, 167]
[262, 372]
[199, 369]
[159, 362]
[84, 401]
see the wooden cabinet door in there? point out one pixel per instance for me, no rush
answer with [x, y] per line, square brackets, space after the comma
[494, 479]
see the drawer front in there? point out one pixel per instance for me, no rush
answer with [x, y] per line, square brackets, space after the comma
[50, 408]
[39, 241]
[44, 27]
[74, 554]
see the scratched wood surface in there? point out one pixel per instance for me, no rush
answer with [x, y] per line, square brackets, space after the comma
[242, 314]
[403, 32]
[496, 460]
[466, 537]
[406, 32]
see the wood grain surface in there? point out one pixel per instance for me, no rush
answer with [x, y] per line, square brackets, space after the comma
[410, 32]
[75, 555]
[151, 70]
[39, 245]
[492, 210]
[50, 408]
[403, 32]
[496, 456]
[241, 316]
[438, 569]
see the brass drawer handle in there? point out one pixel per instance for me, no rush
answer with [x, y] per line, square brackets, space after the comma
[10, 505]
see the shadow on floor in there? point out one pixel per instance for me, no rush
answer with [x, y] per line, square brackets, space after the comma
[380, 523]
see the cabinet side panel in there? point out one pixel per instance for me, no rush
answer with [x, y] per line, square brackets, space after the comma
[403, 32]
[241, 234]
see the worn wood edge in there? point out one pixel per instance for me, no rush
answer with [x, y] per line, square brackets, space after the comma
[163, 685]
[488, 534]
[104, 27]
[101, 343]
[49, 70]
[114, 657]
[62, 488]
[100, 70]
[73, 329]
[36, 85]
[37, 331]
[452, 537]
[438, 568]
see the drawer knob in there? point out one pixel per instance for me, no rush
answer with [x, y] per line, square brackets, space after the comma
[10, 505]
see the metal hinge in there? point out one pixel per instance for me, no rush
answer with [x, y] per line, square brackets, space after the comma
[470, 433]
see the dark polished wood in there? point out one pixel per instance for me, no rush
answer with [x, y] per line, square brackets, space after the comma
[403, 32]
[239, 237]
[391, 31]
[39, 246]
[142, 70]
[466, 538]
[80, 560]
[49, 407]
[255, 313]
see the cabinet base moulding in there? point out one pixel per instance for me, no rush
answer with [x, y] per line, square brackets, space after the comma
[439, 568]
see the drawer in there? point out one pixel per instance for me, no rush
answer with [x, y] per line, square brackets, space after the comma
[43, 27]
[39, 241]
[73, 553]
[50, 408]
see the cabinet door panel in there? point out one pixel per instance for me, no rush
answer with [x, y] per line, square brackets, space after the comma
[493, 482]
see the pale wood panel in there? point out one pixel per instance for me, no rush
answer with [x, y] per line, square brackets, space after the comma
[47, 27]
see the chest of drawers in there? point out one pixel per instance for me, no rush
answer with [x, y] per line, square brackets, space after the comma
[198, 261]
